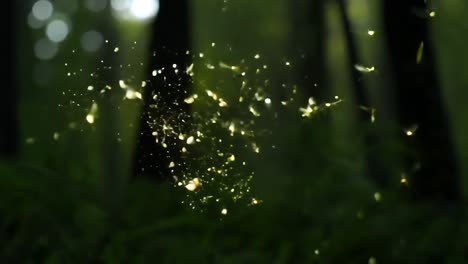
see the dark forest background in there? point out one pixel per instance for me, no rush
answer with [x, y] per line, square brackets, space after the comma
[380, 178]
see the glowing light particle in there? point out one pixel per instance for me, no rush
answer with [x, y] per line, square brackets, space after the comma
[255, 148]
[189, 70]
[56, 136]
[130, 94]
[90, 88]
[91, 116]
[155, 72]
[222, 103]
[419, 54]
[224, 211]
[190, 140]
[403, 180]
[189, 100]
[193, 184]
[232, 128]
[306, 112]
[311, 101]
[116, 49]
[411, 131]
[372, 260]
[267, 101]
[171, 164]
[257, 56]
[364, 69]
[432, 14]
[232, 158]
[371, 32]
[122, 84]
[377, 197]
[254, 111]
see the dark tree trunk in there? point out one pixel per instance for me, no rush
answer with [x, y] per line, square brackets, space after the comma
[8, 130]
[308, 42]
[378, 165]
[419, 100]
[169, 43]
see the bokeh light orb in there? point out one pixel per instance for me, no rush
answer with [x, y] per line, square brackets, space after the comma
[136, 10]
[42, 10]
[57, 30]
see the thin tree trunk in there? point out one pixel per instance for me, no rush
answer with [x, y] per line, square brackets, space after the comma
[420, 101]
[169, 43]
[8, 130]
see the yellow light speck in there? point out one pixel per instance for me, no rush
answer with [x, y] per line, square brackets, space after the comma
[213, 44]
[130, 94]
[201, 55]
[189, 100]
[190, 140]
[371, 32]
[224, 211]
[420, 52]
[30, 140]
[364, 69]
[255, 148]
[306, 112]
[91, 116]
[288, 63]
[253, 111]
[116, 49]
[155, 72]
[432, 14]
[257, 56]
[267, 101]
[122, 84]
[171, 164]
[377, 197]
[232, 128]
[56, 136]
[317, 252]
[327, 104]
[232, 158]
[184, 150]
[222, 103]
[90, 88]
[193, 184]
[372, 260]
[189, 70]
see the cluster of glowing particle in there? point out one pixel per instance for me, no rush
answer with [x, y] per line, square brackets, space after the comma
[208, 134]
